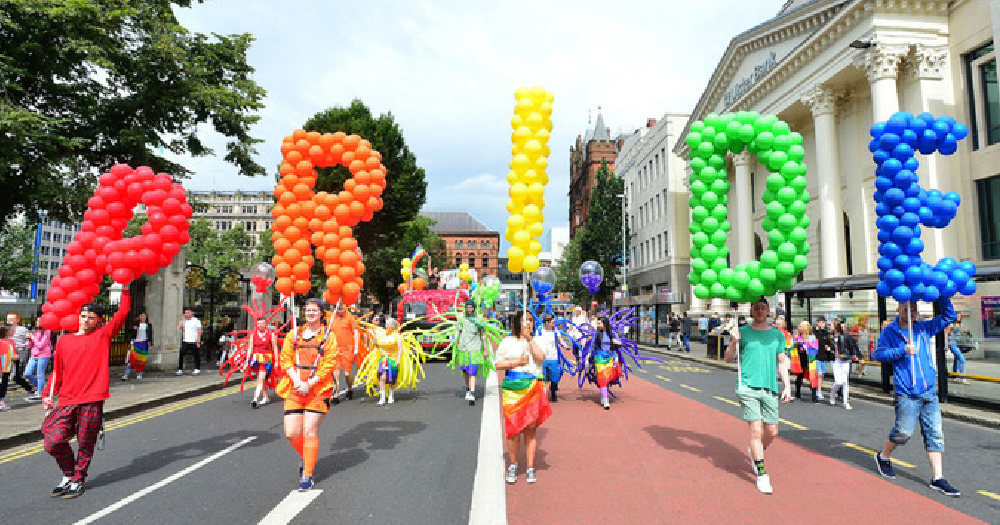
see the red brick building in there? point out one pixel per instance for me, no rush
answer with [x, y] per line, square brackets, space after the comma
[584, 161]
[468, 241]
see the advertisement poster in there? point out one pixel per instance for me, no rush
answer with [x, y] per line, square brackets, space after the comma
[991, 317]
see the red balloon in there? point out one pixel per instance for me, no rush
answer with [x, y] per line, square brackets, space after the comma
[121, 170]
[147, 257]
[152, 240]
[69, 284]
[157, 219]
[107, 179]
[154, 197]
[178, 221]
[122, 275]
[135, 191]
[100, 216]
[74, 248]
[95, 203]
[88, 226]
[86, 276]
[162, 181]
[169, 233]
[77, 262]
[184, 238]
[65, 271]
[62, 307]
[170, 249]
[116, 259]
[171, 206]
[70, 323]
[116, 210]
[54, 294]
[77, 298]
[146, 228]
[49, 321]
[108, 231]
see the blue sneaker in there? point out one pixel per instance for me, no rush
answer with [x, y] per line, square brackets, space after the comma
[942, 485]
[885, 467]
[307, 483]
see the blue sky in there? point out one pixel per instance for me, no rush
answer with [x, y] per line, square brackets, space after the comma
[447, 71]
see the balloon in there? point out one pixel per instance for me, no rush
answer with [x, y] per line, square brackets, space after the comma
[591, 275]
[531, 128]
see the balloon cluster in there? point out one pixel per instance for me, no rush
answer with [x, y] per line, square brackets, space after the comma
[592, 275]
[463, 275]
[543, 280]
[98, 249]
[405, 269]
[785, 197]
[902, 205]
[303, 219]
[488, 291]
[262, 276]
[527, 177]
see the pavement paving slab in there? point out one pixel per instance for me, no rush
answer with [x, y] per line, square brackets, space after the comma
[660, 457]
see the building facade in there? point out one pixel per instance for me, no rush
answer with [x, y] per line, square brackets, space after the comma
[831, 69]
[48, 246]
[225, 210]
[585, 158]
[468, 241]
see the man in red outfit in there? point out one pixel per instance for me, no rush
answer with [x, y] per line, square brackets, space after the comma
[80, 381]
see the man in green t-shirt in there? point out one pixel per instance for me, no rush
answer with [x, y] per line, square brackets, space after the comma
[761, 356]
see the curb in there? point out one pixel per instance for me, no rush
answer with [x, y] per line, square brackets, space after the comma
[489, 493]
[859, 390]
[117, 413]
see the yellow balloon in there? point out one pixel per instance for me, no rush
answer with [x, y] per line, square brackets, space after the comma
[550, 98]
[515, 222]
[543, 178]
[509, 234]
[536, 191]
[532, 147]
[542, 135]
[530, 263]
[407, 262]
[516, 122]
[519, 162]
[541, 164]
[512, 207]
[535, 229]
[405, 272]
[534, 248]
[546, 151]
[535, 120]
[513, 178]
[521, 135]
[529, 176]
[532, 213]
[522, 239]
[522, 92]
[464, 266]
[524, 107]
[546, 108]
[518, 191]
[514, 265]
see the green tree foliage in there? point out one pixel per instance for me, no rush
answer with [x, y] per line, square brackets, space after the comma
[86, 84]
[218, 253]
[601, 239]
[381, 280]
[395, 230]
[567, 272]
[16, 256]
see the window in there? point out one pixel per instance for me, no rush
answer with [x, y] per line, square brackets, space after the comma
[988, 192]
[657, 157]
[57, 237]
[847, 244]
[46, 236]
[659, 208]
[472, 261]
[458, 245]
[983, 94]
[666, 244]
[753, 194]
[486, 261]
[249, 209]
[458, 259]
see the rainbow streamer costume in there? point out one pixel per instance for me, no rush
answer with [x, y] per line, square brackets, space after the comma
[399, 354]
[606, 365]
[803, 357]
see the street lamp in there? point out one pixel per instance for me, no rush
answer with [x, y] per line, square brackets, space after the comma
[625, 260]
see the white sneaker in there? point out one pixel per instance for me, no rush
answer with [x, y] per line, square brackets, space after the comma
[764, 484]
[3, 406]
[469, 396]
[139, 376]
[606, 404]
[819, 395]
[512, 473]
[847, 406]
[833, 400]
[179, 373]
[125, 377]
[391, 399]
[381, 401]
[196, 371]
[529, 475]
[264, 401]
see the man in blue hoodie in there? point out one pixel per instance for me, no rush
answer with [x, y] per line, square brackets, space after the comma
[915, 379]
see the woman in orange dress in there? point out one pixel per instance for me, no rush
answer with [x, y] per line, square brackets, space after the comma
[309, 356]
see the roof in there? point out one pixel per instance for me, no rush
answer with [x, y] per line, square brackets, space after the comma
[456, 222]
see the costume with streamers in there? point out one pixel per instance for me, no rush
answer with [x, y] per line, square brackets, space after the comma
[464, 338]
[604, 363]
[312, 354]
[242, 356]
[262, 358]
[399, 355]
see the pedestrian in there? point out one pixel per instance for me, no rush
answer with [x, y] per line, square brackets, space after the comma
[686, 325]
[759, 351]
[7, 352]
[714, 322]
[703, 328]
[41, 353]
[803, 361]
[824, 354]
[905, 345]
[264, 355]
[674, 330]
[345, 328]
[78, 389]
[309, 356]
[524, 404]
[141, 337]
[191, 332]
[469, 351]
[551, 367]
[20, 335]
[863, 337]
[845, 352]
[951, 335]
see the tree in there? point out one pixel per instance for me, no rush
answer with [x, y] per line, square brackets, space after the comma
[16, 256]
[218, 253]
[567, 271]
[384, 238]
[88, 84]
[381, 280]
[601, 239]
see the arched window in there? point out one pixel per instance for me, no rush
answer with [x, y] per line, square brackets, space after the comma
[458, 260]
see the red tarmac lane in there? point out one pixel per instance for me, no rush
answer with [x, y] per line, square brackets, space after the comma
[659, 457]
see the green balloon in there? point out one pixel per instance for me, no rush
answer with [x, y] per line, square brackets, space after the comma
[804, 248]
[720, 186]
[694, 277]
[800, 262]
[798, 236]
[698, 188]
[756, 288]
[705, 149]
[718, 290]
[709, 199]
[782, 142]
[804, 222]
[736, 146]
[768, 276]
[774, 182]
[753, 270]
[719, 237]
[787, 195]
[786, 270]
[765, 140]
[787, 222]
[699, 239]
[712, 119]
[709, 277]
[764, 123]
[777, 160]
[721, 141]
[795, 152]
[697, 126]
[769, 259]
[699, 265]
[707, 175]
[694, 226]
[784, 284]
[701, 292]
[695, 253]
[788, 170]
[752, 147]
[698, 164]
[787, 251]
[733, 294]
[804, 195]
[747, 117]
[694, 201]
[797, 208]
[796, 138]
[699, 213]
[746, 133]
[726, 276]
[710, 225]
[693, 139]
[733, 129]
[775, 237]
[798, 183]
[780, 127]
[708, 133]
[741, 279]
[774, 209]
[709, 252]
[718, 162]
[720, 212]
[719, 264]
[764, 155]
[768, 224]
[725, 226]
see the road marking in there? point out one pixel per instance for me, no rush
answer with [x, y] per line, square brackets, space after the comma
[663, 378]
[641, 370]
[290, 507]
[989, 494]
[108, 510]
[724, 400]
[690, 387]
[152, 413]
[684, 368]
[489, 494]
[895, 462]
[793, 425]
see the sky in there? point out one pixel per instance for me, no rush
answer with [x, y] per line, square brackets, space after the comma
[447, 71]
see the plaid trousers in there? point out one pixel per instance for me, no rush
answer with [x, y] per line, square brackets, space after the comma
[65, 422]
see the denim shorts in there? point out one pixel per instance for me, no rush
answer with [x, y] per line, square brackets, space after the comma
[925, 409]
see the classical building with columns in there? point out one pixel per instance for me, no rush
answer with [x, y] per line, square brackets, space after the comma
[832, 68]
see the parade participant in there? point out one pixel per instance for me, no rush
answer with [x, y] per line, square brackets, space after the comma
[7, 352]
[759, 351]
[824, 340]
[906, 346]
[394, 363]
[345, 327]
[470, 351]
[951, 336]
[845, 352]
[524, 403]
[803, 360]
[77, 391]
[141, 336]
[551, 367]
[309, 355]
[606, 369]
[263, 361]
[20, 335]
[41, 354]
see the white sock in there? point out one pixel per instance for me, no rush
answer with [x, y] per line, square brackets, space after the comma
[846, 400]
[391, 391]
[381, 397]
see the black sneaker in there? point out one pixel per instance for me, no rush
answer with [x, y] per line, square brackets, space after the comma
[253, 404]
[335, 400]
[350, 394]
[75, 490]
[885, 467]
[61, 488]
[942, 485]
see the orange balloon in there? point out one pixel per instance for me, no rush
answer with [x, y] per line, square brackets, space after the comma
[350, 184]
[313, 137]
[301, 271]
[351, 142]
[331, 240]
[285, 169]
[348, 243]
[333, 255]
[351, 293]
[293, 157]
[283, 270]
[343, 213]
[360, 268]
[278, 210]
[316, 226]
[293, 210]
[331, 298]
[281, 245]
[302, 245]
[364, 149]
[374, 203]
[334, 284]
[283, 285]
[418, 283]
[326, 141]
[361, 192]
[322, 212]
[349, 258]
[316, 154]
[308, 208]
[302, 146]
[347, 273]
[281, 223]
[304, 168]
[330, 226]
[339, 136]
[345, 197]
[287, 146]
[373, 162]
[302, 224]
[331, 268]
[286, 198]
[347, 158]
[357, 210]
[321, 252]
[356, 164]
[308, 259]
[376, 190]
[346, 231]
[336, 153]
[292, 233]
[299, 134]
[292, 256]
[302, 286]
[401, 288]
[363, 177]
[317, 237]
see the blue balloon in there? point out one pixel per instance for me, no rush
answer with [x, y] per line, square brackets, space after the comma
[918, 125]
[873, 145]
[881, 156]
[877, 129]
[911, 204]
[902, 294]
[911, 164]
[894, 196]
[917, 292]
[915, 247]
[948, 148]
[931, 293]
[883, 289]
[925, 214]
[888, 141]
[950, 289]
[884, 263]
[914, 275]
[960, 131]
[896, 124]
[909, 219]
[959, 276]
[910, 138]
[968, 268]
[902, 235]
[889, 223]
[894, 277]
[890, 249]
[902, 152]
[941, 128]
[939, 278]
[902, 261]
[891, 167]
[950, 120]
[884, 236]
[954, 197]
[927, 118]
[882, 208]
[968, 288]
[883, 183]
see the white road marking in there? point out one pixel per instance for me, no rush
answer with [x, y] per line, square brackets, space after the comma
[489, 494]
[290, 507]
[98, 515]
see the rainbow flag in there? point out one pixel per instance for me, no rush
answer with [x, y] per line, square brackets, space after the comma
[417, 254]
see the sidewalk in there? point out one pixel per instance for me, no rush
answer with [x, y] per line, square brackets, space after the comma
[659, 457]
[22, 422]
[869, 391]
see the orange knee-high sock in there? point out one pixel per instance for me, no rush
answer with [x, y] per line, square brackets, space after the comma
[296, 443]
[310, 451]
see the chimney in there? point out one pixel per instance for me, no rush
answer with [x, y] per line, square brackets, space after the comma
[650, 122]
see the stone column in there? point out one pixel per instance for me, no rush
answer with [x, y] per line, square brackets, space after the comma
[881, 66]
[823, 103]
[742, 220]
[164, 306]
